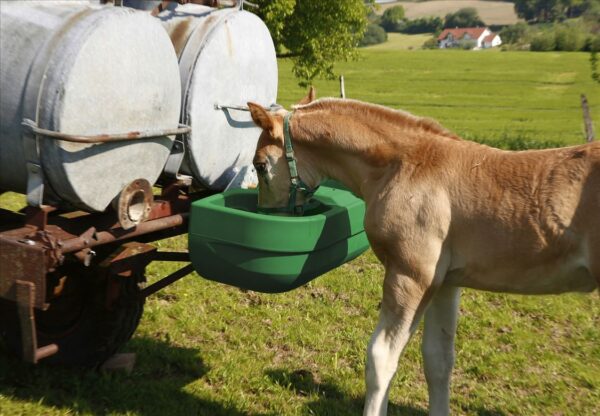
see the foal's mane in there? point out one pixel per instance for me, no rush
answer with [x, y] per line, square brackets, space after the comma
[376, 114]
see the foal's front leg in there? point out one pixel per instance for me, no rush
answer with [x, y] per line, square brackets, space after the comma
[438, 347]
[404, 300]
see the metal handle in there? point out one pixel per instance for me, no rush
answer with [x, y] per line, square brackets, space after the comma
[103, 138]
[272, 107]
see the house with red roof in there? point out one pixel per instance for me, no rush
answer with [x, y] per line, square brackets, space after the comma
[482, 37]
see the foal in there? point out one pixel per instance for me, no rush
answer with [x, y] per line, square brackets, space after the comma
[441, 213]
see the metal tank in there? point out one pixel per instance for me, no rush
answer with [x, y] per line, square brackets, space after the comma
[226, 58]
[101, 87]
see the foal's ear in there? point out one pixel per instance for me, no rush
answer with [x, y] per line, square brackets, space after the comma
[310, 96]
[262, 118]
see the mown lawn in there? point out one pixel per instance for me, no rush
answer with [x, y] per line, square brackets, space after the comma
[207, 349]
[400, 41]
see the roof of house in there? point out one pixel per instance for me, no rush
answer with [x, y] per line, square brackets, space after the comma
[459, 32]
[489, 38]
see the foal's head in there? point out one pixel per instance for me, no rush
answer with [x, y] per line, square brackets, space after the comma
[270, 161]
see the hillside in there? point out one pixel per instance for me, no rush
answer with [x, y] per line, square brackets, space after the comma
[491, 12]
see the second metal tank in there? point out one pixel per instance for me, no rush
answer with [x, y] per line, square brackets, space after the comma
[226, 58]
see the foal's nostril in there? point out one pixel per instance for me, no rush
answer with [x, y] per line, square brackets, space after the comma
[260, 167]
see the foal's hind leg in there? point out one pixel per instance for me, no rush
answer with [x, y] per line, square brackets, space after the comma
[438, 347]
[404, 300]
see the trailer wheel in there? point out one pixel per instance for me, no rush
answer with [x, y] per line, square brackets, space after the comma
[91, 315]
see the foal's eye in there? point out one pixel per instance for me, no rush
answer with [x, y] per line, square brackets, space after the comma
[261, 167]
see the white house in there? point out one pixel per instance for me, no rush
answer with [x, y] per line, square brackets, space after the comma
[482, 36]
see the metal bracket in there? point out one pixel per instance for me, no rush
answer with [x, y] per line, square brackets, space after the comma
[175, 159]
[25, 300]
[173, 277]
[35, 174]
[35, 184]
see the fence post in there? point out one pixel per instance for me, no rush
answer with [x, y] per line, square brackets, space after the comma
[342, 88]
[587, 119]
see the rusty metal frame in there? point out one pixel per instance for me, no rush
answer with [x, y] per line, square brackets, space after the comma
[25, 299]
[40, 239]
[103, 138]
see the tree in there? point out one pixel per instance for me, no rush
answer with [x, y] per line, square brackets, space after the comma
[392, 19]
[552, 10]
[374, 35]
[314, 34]
[466, 17]
[514, 33]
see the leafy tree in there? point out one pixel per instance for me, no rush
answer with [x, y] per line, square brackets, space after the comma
[526, 9]
[393, 19]
[430, 43]
[465, 17]
[514, 33]
[424, 25]
[543, 42]
[314, 34]
[374, 35]
[553, 10]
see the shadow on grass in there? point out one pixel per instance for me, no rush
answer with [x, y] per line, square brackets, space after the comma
[333, 402]
[155, 387]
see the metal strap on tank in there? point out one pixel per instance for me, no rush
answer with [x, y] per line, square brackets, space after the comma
[35, 174]
[102, 138]
[175, 158]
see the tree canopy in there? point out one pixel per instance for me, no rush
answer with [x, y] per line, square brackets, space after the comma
[392, 18]
[552, 10]
[314, 34]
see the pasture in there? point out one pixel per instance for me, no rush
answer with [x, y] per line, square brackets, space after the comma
[491, 12]
[207, 349]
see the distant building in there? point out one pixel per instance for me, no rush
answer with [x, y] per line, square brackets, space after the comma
[482, 37]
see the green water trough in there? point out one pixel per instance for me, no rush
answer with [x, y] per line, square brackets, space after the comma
[229, 242]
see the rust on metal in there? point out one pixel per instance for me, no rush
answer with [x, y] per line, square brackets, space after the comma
[134, 203]
[25, 292]
[179, 35]
[41, 242]
[38, 216]
[105, 237]
[34, 243]
[129, 256]
[23, 260]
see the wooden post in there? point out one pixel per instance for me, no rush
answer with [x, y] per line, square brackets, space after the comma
[342, 88]
[587, 119]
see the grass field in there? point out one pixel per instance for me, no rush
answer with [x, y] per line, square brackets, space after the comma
[491, 12]
[207, 349]
[400, 41]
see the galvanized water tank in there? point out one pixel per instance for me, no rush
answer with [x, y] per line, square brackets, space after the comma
[86, 70]
[226, 57]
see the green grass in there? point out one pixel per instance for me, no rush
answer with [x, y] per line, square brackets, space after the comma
[207, 349]
[485, 95]
[400, 41]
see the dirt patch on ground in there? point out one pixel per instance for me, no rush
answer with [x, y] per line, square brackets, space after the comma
[491, 12]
